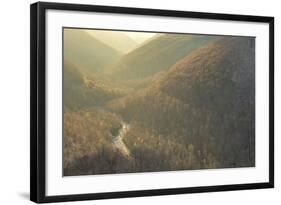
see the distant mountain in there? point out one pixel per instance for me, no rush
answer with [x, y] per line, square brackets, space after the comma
[115, 39]
[90, 54]
[206, 99]
[156, 55]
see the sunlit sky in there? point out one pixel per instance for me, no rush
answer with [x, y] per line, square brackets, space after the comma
[139, 37]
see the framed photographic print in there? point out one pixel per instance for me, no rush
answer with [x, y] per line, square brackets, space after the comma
[129, 102]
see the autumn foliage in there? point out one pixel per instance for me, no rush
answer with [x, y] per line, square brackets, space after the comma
[196, 113]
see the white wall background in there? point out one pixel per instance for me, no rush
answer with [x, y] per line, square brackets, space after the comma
[14, 100]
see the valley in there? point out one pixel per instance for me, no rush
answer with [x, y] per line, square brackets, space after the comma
[173, 102]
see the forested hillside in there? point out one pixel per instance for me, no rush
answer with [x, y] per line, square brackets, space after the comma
[206, 100]
[157, 55]
[81, 91]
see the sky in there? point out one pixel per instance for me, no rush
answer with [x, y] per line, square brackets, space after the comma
[139, 37]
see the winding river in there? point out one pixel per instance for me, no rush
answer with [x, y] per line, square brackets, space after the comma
[118, 140]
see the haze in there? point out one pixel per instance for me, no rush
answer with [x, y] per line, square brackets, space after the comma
[139, 37]
[120, 40]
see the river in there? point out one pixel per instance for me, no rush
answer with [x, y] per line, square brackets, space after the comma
[117, 141]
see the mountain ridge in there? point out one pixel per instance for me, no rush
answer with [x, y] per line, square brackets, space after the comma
[89, 53]
[144, 61]
[115, 39]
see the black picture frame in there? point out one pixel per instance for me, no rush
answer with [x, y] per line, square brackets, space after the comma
[38, 101]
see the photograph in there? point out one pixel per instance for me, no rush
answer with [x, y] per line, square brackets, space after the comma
[139, 101]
